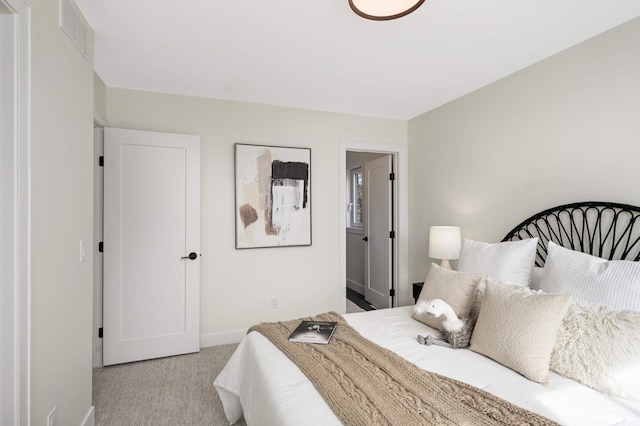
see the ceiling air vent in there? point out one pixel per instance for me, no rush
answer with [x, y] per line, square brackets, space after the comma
[73, 25]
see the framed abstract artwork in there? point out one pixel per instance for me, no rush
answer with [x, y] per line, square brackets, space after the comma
[273, 196]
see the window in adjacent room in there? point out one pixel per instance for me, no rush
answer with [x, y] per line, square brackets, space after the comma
[355, 202]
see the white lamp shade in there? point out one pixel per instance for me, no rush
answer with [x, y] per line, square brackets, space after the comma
[444, 242]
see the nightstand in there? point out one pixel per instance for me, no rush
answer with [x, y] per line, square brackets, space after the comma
[417, 288]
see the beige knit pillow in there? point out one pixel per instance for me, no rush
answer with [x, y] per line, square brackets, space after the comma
[456, 288]
[517, 328]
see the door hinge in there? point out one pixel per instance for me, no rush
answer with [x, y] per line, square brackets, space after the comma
[100, 246]
[392, 292]
[392, 176]
[101, 161]
[100, 332]
[392, 234]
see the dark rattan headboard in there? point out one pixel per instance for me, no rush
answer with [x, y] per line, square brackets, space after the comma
[607, 230]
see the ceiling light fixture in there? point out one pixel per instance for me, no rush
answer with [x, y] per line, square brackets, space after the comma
[384, 10]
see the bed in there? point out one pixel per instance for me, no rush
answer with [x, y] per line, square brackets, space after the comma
[577, 376]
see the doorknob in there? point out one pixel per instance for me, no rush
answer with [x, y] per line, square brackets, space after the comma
[365, 239]
[192, 256]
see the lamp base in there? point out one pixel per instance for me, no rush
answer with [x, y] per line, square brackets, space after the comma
[444, 263]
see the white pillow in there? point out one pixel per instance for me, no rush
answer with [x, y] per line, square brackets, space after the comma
[600, 348]
[509, 261]
[613, 283]
[536, 278]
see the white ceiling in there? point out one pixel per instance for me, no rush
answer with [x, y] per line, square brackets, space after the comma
[319, 55]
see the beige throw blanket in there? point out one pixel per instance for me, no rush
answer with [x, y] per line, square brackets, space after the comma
[365, 384]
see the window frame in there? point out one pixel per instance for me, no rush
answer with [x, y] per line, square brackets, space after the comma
[356, 220]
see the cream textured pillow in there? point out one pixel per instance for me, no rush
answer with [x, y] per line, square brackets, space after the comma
[600, 348]
[613, 283]
[517, 328]
[456, 288]
[510, 261]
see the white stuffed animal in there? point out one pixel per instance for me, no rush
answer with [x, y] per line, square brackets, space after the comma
[457, 332]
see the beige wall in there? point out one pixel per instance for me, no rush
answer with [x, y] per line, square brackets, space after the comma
[99, 96]
[61, 215]
[564, 130]
[237, 285]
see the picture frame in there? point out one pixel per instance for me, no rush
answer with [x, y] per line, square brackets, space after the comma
[273, 196]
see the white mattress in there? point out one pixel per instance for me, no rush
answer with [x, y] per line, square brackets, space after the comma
[260, 382]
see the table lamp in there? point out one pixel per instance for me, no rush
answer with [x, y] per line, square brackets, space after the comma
[444, 244]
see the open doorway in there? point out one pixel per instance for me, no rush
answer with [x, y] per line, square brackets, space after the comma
[370, 230]
[399, 210]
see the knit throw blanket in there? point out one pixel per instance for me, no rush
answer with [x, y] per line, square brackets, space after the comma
[365, 384]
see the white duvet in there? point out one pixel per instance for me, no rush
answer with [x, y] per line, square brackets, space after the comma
[262, 384]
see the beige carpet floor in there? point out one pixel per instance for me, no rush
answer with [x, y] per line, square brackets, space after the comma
[168, 391]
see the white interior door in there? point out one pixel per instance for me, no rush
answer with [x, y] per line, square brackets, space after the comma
[378, 226]
[151, 225]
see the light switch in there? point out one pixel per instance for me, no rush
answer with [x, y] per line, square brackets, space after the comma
[83, 251]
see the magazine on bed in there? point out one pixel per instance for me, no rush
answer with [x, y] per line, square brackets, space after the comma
[313, 332]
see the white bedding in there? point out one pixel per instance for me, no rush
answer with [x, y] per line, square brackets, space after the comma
[262, 384]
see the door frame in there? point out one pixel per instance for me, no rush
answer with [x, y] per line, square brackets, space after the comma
[99, 123]
[16, 278]
[400, 212]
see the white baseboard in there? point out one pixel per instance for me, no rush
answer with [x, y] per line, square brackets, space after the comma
[355, 286]
[222, 338]
[90, 418]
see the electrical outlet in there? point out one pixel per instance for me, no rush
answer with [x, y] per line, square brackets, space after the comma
[52, 417]
[275, 302]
